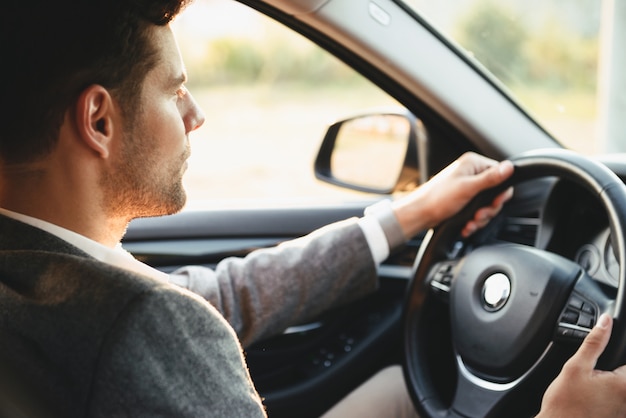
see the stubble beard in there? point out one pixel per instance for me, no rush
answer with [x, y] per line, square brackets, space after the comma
[139, 186]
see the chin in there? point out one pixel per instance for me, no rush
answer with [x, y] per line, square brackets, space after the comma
[176, 201]
[164, 204]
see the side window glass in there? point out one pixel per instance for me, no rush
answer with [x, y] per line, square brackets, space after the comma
[268, 94]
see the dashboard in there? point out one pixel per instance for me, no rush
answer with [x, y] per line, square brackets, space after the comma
[598, 259]
[564, 218]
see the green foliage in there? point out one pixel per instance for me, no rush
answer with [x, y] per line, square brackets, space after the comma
[520, 51]
[492, 35]
[268, 59]
[545, 54]
[561, 59]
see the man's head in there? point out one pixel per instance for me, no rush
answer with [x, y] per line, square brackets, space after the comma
[144, 176]
[53, 49]
[97, 85]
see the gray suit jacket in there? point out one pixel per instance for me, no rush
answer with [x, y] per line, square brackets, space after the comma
[82, 338]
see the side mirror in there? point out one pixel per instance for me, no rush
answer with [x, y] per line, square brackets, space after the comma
[382, 152]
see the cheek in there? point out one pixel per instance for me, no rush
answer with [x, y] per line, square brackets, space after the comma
[167, 127]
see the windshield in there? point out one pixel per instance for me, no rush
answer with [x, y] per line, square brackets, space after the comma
[545, 52]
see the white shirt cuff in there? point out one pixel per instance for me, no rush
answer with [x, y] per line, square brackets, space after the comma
[375, 237]
[382, 230]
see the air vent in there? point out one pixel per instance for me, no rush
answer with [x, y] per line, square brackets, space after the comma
[520, 229]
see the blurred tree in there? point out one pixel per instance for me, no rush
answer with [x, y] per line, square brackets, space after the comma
[542, 51]
[559, 58]
[492, 34]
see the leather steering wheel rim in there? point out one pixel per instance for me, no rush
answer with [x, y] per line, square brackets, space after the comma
[422, 309]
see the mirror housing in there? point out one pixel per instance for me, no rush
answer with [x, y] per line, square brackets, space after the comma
[379, 152]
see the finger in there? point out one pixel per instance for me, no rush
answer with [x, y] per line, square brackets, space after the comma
[481, 218]
[495, 174]
[469, 229]
[502, 198]
[476, 163]
[595, 343]
[498, 173]
[485, 214]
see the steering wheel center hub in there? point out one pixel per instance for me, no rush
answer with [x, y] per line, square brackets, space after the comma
[504, 304]
[496, 292]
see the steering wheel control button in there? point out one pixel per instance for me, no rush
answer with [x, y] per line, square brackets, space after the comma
[496, 292]
[571, 334]
[575, 302]
[577, 319]
[570, 317]
[589, 309]
[585, 321]
[442, 277]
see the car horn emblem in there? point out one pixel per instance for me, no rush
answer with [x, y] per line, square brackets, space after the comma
[496, 292]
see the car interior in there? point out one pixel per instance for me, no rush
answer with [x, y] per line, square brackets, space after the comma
[565, 220]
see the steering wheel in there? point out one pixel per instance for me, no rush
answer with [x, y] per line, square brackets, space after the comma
[487, 324]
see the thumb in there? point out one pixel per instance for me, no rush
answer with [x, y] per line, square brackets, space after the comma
[595, 343]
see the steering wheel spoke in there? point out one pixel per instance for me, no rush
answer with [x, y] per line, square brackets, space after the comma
[477, 398]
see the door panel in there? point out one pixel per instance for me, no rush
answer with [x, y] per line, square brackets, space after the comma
[309, 367]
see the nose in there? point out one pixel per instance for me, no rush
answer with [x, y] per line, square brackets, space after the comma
[193, 116]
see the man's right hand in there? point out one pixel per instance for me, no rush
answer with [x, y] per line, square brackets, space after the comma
[580, 391]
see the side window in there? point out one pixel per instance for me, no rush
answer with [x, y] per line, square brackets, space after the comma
[268, 94]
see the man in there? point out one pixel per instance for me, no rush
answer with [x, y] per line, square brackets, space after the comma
[95, 129]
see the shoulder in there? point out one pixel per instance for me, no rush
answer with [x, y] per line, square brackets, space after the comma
[171, 351]
[169, 307]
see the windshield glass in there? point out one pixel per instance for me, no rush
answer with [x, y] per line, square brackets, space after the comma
[545, 52]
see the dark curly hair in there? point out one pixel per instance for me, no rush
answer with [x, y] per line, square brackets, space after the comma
[53, 49]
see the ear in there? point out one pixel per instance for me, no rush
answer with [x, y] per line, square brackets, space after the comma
[95, 115]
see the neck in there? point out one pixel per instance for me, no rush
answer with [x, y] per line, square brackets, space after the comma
[60, 199]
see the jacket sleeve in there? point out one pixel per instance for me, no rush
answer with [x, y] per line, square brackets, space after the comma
[272, 289]
[172, 354]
